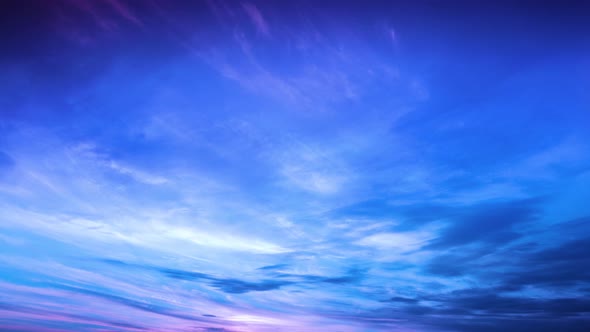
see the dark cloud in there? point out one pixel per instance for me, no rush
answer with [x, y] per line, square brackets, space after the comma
[401, 299]
[116, 262]
[227, 285]
[515, 267]
[273, 267]
[560, 266]
[513, 324]
[523, 267]
[492, 223]
[490, 301]
[451, 265]
[184, 275]
[496, 304]
[482, 231]
[238, 286]
[352, 276]
[413, 215]
[486, 309]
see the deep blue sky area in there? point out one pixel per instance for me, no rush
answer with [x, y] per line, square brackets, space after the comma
[254, 166]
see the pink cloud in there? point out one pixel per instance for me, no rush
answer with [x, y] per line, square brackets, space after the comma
[257, 18]
[124, 11]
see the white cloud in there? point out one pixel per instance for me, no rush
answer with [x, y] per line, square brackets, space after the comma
[137, 175]
[316, 169]
[405, 241]
[313, 180]
[220, 240]
[89, 153]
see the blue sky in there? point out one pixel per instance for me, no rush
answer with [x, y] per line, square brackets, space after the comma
[294, 166]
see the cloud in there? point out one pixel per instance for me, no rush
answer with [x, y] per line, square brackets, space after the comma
[401, 299]
[487, 309]
[89, 152]
[315, 169]
[313, 181]
[554, 267]
[256, 17]
[488, 222]
[404, 242]
[532, 266]
[227, 285]
[124, 11]
[238, 286]
[223, 241]
[145, 306]
[36, 319]
[273, 267]
[258, 166]
[138, 175]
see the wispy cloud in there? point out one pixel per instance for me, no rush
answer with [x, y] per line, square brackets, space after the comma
[275, 166]
[257, 18]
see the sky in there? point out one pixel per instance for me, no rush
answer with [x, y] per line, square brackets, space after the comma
[253, 166]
